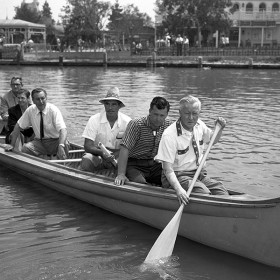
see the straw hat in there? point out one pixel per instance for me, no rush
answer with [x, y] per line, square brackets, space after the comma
[112, 94]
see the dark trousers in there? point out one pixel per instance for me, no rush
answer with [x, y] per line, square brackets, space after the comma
[144, 171]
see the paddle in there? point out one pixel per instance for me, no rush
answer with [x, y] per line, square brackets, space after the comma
[164, 245]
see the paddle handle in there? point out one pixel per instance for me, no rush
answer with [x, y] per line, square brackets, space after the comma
[216, 131]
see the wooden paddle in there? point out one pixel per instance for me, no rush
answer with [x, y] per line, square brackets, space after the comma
[164, 245]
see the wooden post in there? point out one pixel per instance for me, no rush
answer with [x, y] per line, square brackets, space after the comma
[200, 61]
[60, 60]
[105, 58]
[251, 62]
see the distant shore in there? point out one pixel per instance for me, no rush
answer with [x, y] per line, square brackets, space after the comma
[122, 59]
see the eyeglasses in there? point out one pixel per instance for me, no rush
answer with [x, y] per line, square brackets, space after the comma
[16, 84]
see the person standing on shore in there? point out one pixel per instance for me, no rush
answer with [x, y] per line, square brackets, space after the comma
[179, 45]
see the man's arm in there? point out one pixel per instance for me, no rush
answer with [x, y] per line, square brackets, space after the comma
[175, 184]
[61, 154]
[12, 119]
[4, 108]
[14, 135]
[222, 123]
[122, 163]
[90, 147]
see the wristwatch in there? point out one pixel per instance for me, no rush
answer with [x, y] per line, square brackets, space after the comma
[62, 145]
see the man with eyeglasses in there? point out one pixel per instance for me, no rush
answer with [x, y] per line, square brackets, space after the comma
[107, 128]
[9, 100]
[181, 149]
[48, 126]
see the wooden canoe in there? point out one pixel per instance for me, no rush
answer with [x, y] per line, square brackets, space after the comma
[242, 224]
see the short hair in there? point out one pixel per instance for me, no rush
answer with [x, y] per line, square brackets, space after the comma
[190, 99]
[24, 91]
[160, 103]
[16, 78]
[37, 90]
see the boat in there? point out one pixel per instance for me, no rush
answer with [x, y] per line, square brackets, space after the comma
[240, 223]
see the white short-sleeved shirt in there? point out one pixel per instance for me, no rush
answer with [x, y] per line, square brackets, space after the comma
[52, 117]
[175, 146]
[98, 129]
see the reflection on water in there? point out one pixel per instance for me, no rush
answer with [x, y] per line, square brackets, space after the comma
[45, 235]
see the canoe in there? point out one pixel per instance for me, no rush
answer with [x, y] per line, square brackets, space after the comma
[240, 223]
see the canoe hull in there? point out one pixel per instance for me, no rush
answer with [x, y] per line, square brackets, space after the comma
[241, 225]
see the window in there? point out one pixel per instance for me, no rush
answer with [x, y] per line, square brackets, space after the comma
[275, 7]
[262, 7]
[249, 8]
[236, 7]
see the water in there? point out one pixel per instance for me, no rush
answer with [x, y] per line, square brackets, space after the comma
[46, 235]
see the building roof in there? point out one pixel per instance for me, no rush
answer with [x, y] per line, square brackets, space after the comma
[19, 23]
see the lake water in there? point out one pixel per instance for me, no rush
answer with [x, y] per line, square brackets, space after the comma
[46, 235]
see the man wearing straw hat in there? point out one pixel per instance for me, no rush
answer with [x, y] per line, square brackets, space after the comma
[107, 128]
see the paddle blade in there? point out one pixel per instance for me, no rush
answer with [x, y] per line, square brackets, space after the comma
[164, 245]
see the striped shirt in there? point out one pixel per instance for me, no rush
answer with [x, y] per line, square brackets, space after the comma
[53, 120]
[140, 139]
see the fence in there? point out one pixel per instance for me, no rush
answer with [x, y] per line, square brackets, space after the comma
[212, 51]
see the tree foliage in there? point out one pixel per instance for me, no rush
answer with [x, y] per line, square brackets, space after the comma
[183, 15]
[24, 13]
[84, 19]
[127, 19]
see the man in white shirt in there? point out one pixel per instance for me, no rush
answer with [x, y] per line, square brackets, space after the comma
[48, 126]
[181, 149]
[179, 44]
[106, 127]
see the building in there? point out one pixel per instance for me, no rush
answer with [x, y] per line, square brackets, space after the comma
[255, 23]
[16, 31]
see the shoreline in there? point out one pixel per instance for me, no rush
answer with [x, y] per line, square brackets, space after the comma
[116, 60]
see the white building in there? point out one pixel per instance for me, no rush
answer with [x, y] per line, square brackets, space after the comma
[256, 23]
[16, 30]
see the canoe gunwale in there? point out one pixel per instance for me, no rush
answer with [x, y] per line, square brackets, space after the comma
[245, 225]
[221, 201]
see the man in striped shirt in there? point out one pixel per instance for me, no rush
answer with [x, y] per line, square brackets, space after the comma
[140, 144]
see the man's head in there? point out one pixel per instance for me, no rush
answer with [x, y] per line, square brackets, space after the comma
[16, 84]
[189, 110]
[39, 98]
[158, 111]
[112, 102]
[23, 97]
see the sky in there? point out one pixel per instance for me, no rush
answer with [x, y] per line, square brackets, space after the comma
[7, 6]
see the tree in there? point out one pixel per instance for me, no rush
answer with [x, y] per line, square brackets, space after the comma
[24, 13]
[206, 15]
[46, 11]
[84, 19]
[125, 19]
[46, 18]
